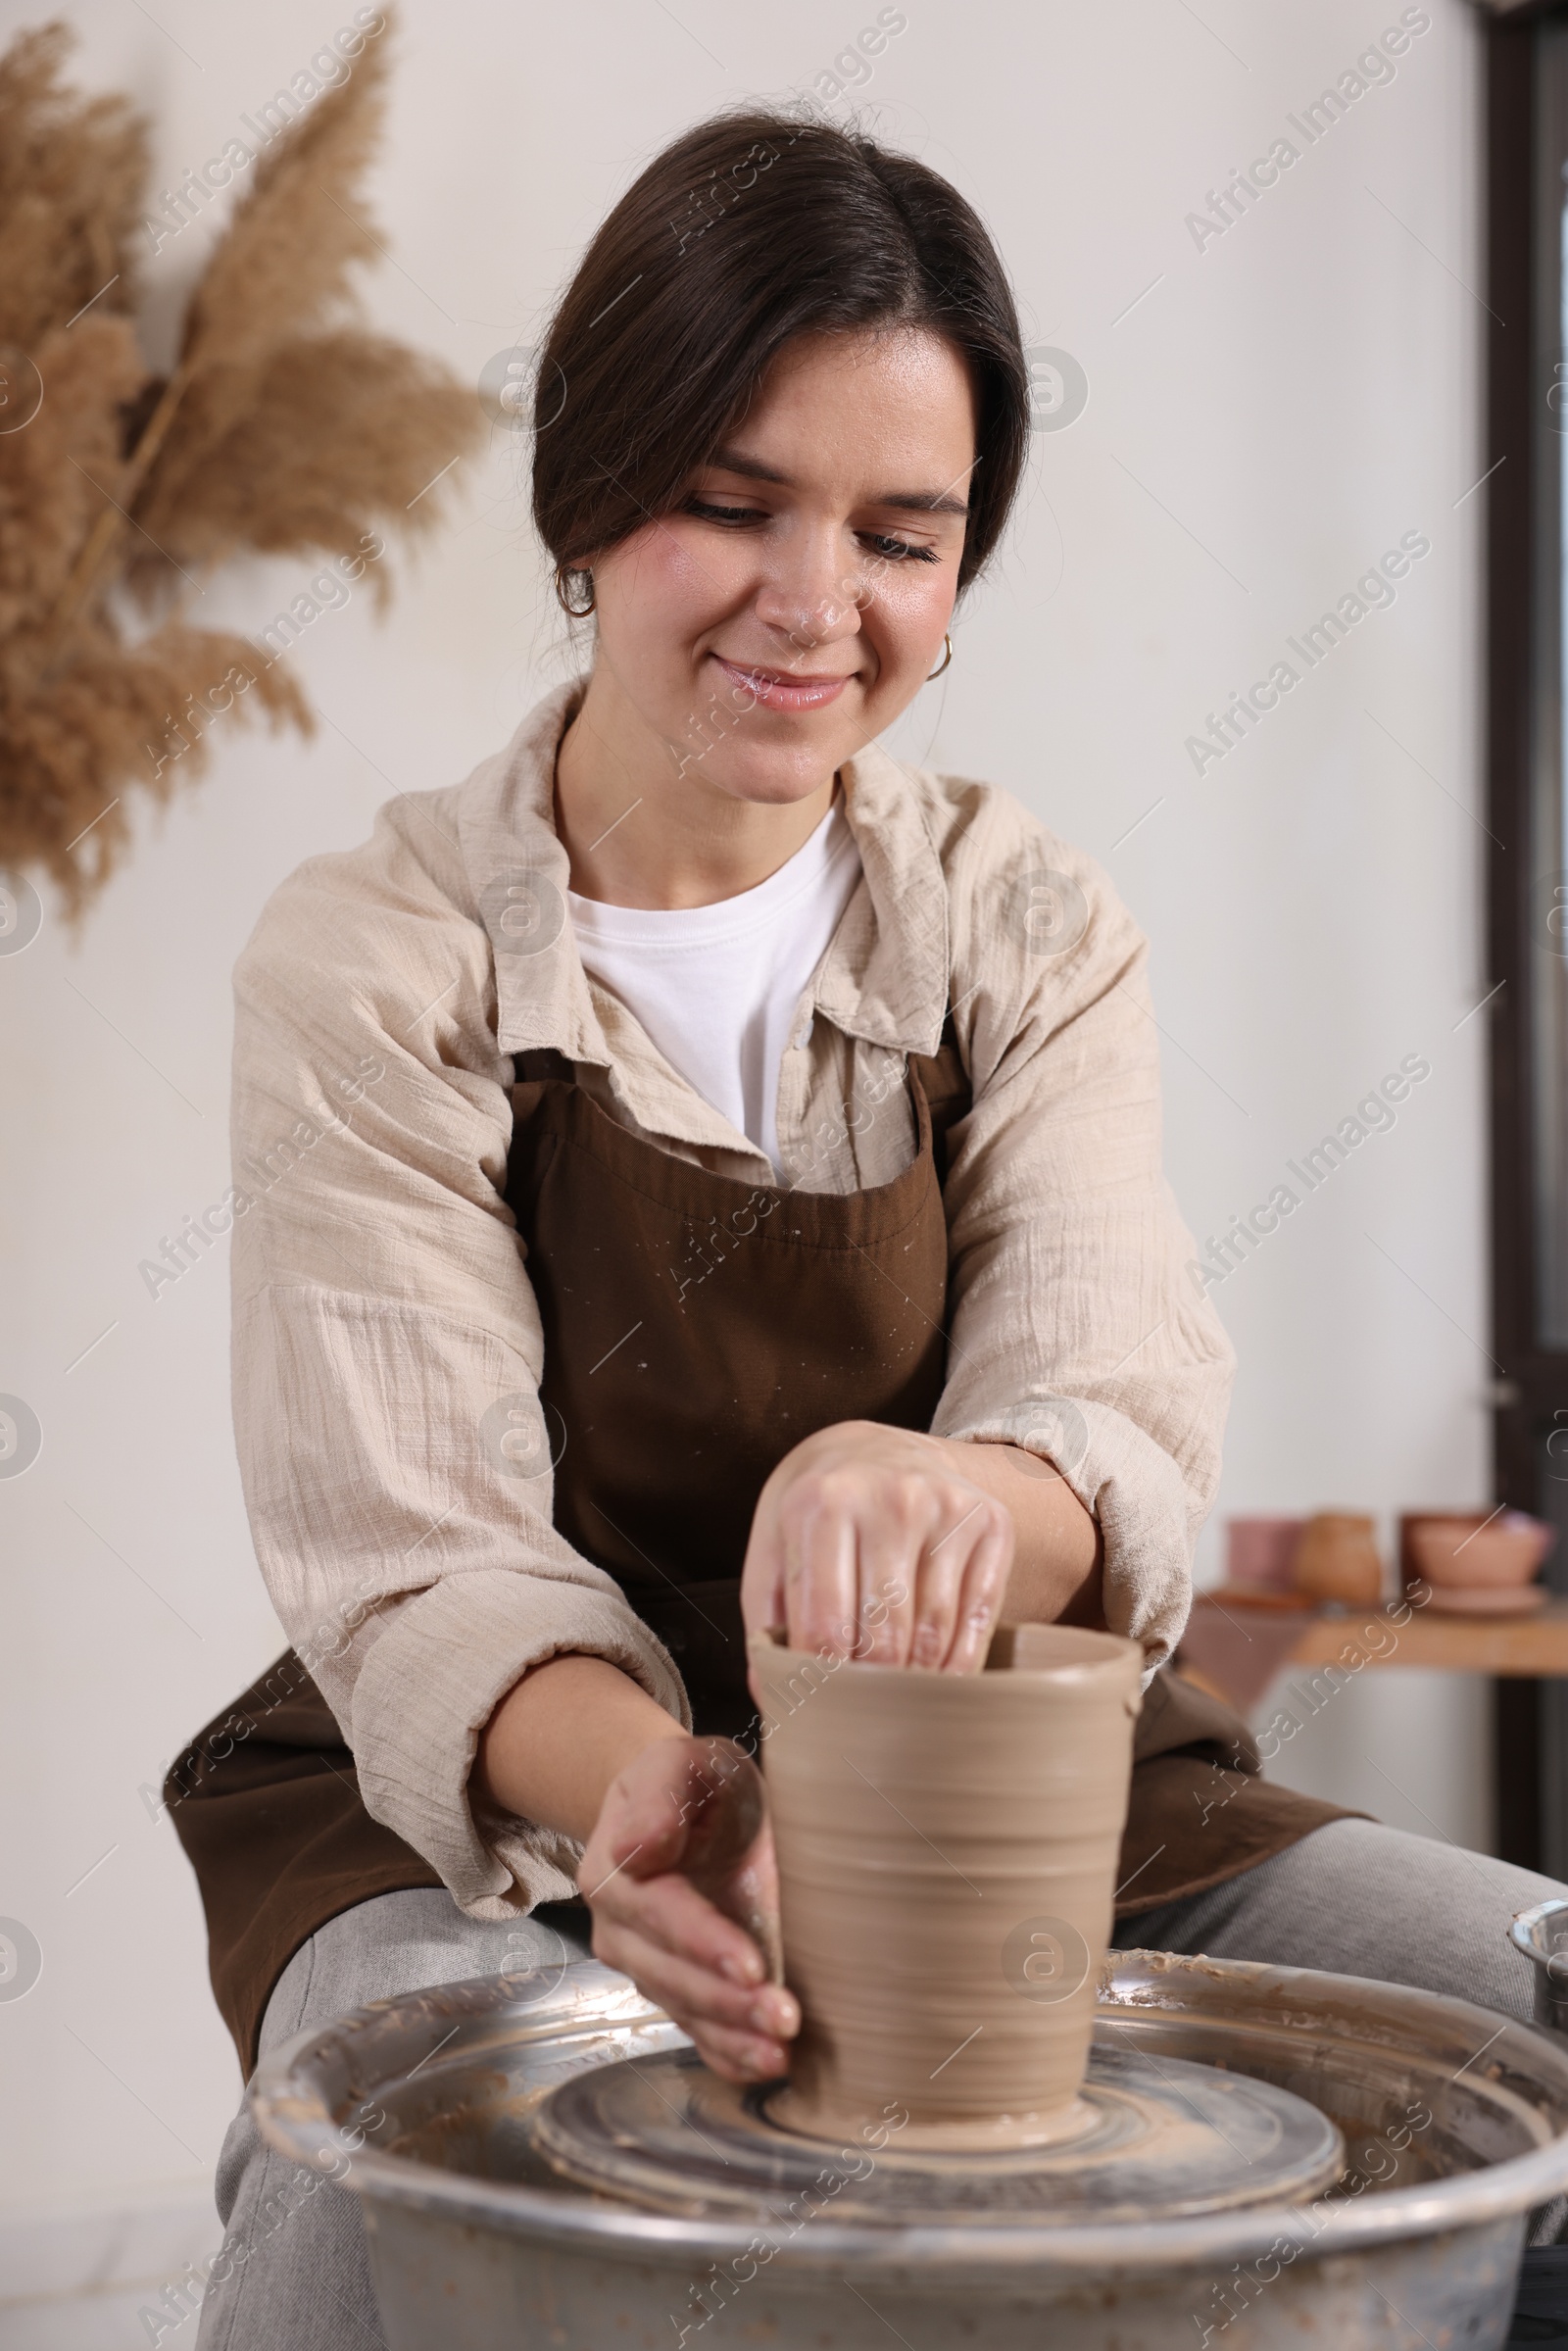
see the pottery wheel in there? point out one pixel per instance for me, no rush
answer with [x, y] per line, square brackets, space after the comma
[1169, 2139]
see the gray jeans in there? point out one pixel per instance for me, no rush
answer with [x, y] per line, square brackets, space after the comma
[304, 2282]
[1354, 1897]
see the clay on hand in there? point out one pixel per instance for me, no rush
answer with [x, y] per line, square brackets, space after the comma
[680, 1875]
[868, 1543]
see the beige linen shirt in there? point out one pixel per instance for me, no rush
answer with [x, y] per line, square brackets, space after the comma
[385, 1330]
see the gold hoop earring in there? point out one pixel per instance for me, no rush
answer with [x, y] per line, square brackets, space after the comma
[946, 659]
[573, 612]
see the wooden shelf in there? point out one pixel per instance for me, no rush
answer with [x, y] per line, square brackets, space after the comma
[1533, 1645]
[1461, 1644]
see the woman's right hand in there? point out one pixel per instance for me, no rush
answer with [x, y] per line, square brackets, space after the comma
[880, 1544]
[680, 1876]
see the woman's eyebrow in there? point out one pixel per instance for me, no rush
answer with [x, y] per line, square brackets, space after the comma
[916, 502]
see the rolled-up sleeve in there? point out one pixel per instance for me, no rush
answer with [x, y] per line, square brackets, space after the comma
[387, 1349]
[1077, 1330]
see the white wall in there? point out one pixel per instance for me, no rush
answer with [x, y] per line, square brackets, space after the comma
[1272, 414]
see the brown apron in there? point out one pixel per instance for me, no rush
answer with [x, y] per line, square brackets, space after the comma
[696, 1329]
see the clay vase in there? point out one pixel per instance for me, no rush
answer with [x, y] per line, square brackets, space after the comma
[1338, 1559]
[1258, 1551]
[947, 1852]
[1480, 1550]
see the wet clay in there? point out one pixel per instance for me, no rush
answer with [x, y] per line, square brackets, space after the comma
[947, 1852]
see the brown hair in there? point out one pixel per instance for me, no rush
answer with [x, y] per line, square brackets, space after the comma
[751, 229]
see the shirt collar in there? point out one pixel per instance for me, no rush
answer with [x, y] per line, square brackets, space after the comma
[518, 873]
[884, 979]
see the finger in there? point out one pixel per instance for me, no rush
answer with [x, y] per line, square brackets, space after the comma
[953, 1592]
[898, 1519]
[651, 1861]
[693, 1804]
[739, 2056]
[985, 1582]
[939, 1594]
[751, 1899]
[763, 1572]
[624, 1851]
[669, 1913]
[689, 1991]
[819, 1568]
[688, 1994]
[642, 1830]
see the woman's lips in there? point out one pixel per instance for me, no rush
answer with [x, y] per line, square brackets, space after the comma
[781, 690]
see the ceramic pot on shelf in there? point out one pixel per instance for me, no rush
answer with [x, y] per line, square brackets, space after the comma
[1338, 1559]
[1480, 1550]
[1258, 1552]
[947, 1854]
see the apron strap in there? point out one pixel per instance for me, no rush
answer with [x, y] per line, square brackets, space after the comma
[944, 1083]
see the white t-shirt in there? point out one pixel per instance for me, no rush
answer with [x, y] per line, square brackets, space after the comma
[716, 986]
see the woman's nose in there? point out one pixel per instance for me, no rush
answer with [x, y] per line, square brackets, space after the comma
[814, 593]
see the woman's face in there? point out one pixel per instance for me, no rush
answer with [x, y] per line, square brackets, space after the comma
[795, 601]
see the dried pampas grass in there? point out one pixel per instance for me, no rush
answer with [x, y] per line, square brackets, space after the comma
[114, 717]
[328, 430]
[72, 177]
[280, 429]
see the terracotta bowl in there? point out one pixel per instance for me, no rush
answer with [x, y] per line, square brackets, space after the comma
[1469, 1554]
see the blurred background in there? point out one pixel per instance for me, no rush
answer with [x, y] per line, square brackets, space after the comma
[1244, 403]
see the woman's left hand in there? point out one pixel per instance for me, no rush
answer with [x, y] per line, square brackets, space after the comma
[869, 1542]
[681, 1875]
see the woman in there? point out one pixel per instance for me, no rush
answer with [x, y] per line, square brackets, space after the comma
[701, 1176]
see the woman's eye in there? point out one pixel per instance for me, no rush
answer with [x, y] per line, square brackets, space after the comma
[892, 549]
[898, 550]
[707, 512]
